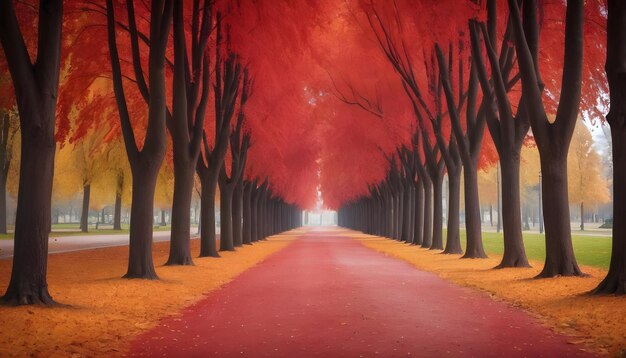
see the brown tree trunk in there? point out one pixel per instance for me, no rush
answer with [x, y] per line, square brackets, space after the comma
[560, 259]
[247, 214]
[453, 237]
[208, 244]
[418, 231]
[437, 243]
[180, 251]
[237, 214]
[615, 280]
[514, 253]
[408, 204]
[84, 216]
[36, 89]
[145, 163]
[226, 218]
[117, 214]
[28, 276]
[254, 214]
[474, 244]
[140, 264]
[552, 137]
[427, 240]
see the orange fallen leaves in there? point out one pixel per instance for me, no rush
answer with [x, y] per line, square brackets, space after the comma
[104, 312]
[561, 303]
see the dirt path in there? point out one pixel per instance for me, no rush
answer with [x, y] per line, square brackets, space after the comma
[326, 295]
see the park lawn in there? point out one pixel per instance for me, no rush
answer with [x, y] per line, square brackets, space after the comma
[589, 250]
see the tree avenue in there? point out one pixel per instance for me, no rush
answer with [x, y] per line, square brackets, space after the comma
[380, 110]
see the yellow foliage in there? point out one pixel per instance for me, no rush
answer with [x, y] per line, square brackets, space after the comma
[585, 180]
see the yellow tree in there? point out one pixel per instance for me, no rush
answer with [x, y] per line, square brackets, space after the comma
[78, 165]
[115, 179]
[587, 186]
[164, 191]
[9, 147]
[488, 189]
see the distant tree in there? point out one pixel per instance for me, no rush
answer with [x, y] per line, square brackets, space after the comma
[9, 142]
[587, 186]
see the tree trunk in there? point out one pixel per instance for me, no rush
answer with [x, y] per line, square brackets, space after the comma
[3, 204]
[499, 198]
[582, 216]
[453, 238]
[418, 231]
[427, 240]
[30, 258]
[560, 259]
[407, 234]
[514, 253]
[180, 251]
[208, 244]
[163, 223]
[437, 243]
[140, 263]
[84, 216]
[247, 214]
[237, 214]
[399, 215]
[254, 214]
[615, 280]
[117, 215]
[226, 218]
[490, 214]
[473, 220]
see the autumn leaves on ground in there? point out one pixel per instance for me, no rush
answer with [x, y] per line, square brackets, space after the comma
[102, 313]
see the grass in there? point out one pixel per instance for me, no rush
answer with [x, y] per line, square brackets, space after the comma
[589, 250]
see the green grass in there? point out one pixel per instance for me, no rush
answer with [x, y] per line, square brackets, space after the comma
[589, 250]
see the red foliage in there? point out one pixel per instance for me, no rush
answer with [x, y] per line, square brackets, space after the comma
[326, 105]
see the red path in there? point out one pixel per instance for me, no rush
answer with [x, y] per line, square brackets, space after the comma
[329, 296]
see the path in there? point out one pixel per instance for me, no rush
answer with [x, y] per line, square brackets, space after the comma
[326, 295]
[81, 242]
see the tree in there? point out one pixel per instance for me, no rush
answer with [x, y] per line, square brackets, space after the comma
[8, 138]
[239, 141]
[36, 87]
[145, 162]
[552, 138]
[507, 130]
[587, 186]
[189, 104]
[468, 145]
[227, 83]
[615, 280]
